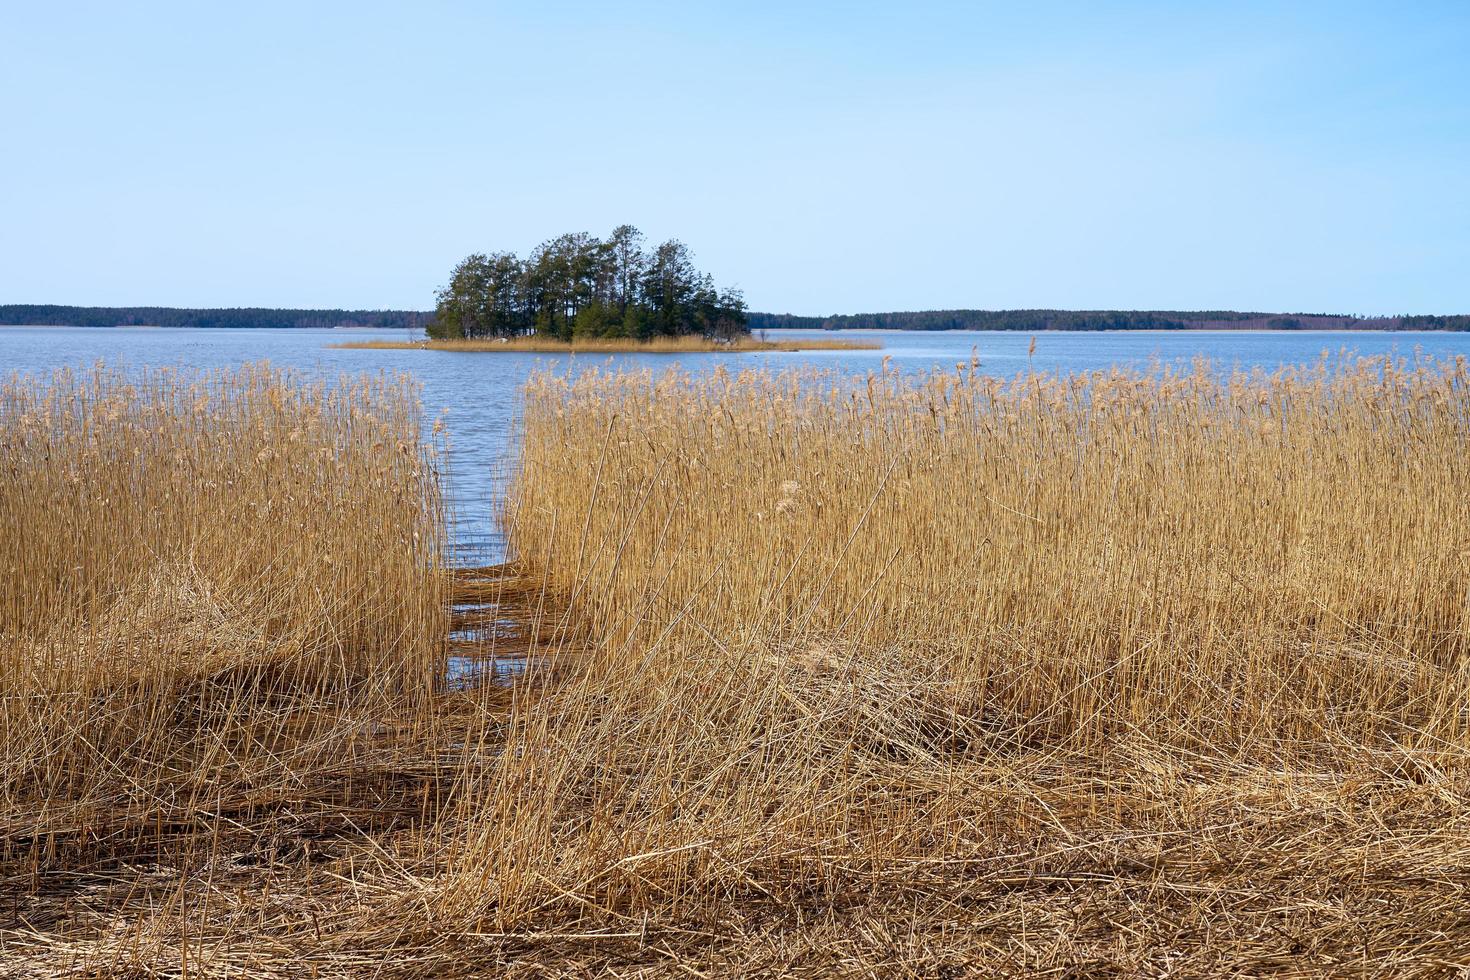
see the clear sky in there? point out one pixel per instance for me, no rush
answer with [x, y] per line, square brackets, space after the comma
[854, 157]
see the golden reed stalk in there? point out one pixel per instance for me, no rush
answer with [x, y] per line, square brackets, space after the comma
[929, 676]
[1123, 672]
[216, 585]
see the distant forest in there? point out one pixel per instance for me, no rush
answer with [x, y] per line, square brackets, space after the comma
[577, 285]
[1025, 320]
[1038, 320]
[245, 317]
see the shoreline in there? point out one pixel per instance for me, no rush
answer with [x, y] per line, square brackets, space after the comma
[670, 345]
[774, 330]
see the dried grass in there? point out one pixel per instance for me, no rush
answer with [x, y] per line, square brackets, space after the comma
[221, 633]
[1105, 674]
[938, 676]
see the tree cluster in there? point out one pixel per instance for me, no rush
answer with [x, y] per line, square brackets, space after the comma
[578, 285]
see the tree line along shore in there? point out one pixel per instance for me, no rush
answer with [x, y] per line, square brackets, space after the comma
[1034, 321]
[233, 318]
[51, 315]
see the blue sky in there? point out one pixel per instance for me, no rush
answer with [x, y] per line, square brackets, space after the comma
[1303, 157]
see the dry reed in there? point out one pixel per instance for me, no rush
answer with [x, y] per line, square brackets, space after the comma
[1113, 673]
[925, 676]
[224, 607]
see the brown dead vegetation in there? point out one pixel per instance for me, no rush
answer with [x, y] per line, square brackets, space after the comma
[940, 676]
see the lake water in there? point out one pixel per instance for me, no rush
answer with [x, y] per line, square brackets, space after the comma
[477, 392]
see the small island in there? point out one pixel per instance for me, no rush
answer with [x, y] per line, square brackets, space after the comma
[578, 292]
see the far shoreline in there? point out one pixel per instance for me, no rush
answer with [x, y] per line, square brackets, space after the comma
[804, 331]
[611, 345]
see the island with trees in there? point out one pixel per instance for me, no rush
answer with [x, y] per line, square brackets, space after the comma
[580, 286]
[579, 292]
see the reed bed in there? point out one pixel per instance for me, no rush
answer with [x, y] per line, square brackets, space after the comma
[614, 345]
[934, 676]
[221, 632]
[1118, 673]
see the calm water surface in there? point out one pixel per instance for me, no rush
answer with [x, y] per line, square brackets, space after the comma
[477, 392]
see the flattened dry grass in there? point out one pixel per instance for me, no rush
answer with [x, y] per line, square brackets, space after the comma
[948, 675]
[614, 345]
